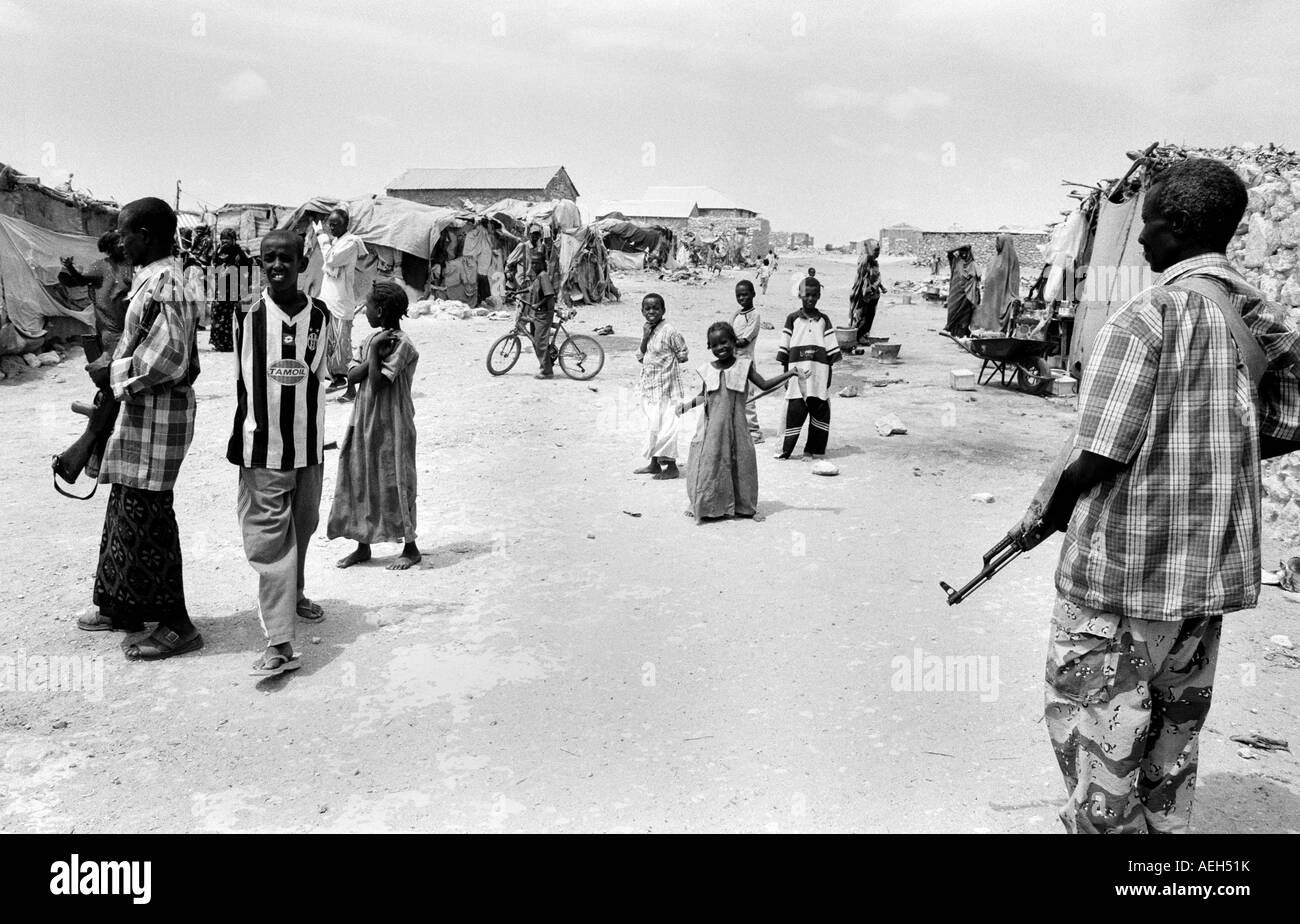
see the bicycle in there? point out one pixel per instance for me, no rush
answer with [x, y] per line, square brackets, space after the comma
[580, 357]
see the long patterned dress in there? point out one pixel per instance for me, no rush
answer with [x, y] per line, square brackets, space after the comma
[722, 471]
[374, 494]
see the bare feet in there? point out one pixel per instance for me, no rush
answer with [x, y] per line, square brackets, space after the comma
[781, 455]
[669, 471]
[409, 558]
[650, 468]
[359, 555]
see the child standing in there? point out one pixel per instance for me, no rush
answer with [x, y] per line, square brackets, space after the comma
[662, 351]
[374, 496]
[765, 271]
[722, 473]
[808, 341]
[278, 443]
[746, 325]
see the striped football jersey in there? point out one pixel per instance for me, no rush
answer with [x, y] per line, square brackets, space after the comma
[280, 393]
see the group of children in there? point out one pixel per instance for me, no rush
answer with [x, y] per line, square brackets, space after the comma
[722, 472]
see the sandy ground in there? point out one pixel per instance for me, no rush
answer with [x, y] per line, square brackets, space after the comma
[559, 663]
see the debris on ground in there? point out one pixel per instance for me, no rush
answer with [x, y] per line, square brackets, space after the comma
[1262, 742]
[1282, 641]
[890, 425]
[849, 391]
[631, 513]
[605, 331]
[822, 467]
[983, 498]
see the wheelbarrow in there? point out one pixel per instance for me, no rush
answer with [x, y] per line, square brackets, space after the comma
[1013, 356]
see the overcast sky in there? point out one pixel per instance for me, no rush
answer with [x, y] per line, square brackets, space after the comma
[830, 118]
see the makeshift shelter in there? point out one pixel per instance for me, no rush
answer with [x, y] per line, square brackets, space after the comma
[63, 210]
[400, 238]
[250, 221]
[34, 305]
[1094, 263]
[631, 237]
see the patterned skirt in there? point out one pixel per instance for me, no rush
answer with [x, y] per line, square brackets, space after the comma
[221, 336]
[139, 576]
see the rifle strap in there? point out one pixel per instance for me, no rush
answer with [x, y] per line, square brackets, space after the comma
[93, 489]
[1216, 293]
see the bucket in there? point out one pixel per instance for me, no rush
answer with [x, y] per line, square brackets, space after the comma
[847, 337]
[886, 352]
[906, 299]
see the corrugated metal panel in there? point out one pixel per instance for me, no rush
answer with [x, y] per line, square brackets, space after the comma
[475, 178]
[704, 197]
[650, 208]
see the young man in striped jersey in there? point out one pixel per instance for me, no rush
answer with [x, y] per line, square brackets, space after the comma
[278, 442]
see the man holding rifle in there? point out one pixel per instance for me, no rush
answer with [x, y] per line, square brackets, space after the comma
[151, 373]
[1160, 506]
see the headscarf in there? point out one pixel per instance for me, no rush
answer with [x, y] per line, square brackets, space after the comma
[1001, 286]
[867, 284]
[963, 284]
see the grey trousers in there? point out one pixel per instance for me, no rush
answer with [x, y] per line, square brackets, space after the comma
[279, 512]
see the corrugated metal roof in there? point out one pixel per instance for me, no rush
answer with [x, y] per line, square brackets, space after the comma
[704, 197]
[475, 178]
[649, 208]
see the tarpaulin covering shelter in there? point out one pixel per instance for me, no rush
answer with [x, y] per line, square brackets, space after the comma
[33, 304]
[517, 214]
[584, 267]
[399, 234]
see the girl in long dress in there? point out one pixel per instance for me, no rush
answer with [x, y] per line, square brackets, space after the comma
[374, 495]
[722, 471]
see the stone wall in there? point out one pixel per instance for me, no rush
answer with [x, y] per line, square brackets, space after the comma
[1265, 250]
[982, 244]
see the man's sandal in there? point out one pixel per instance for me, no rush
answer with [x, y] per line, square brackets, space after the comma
[161, 643]
[273, 664]
[312, 612]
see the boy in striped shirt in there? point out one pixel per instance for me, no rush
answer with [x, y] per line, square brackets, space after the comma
[808, 342]
[278, 442]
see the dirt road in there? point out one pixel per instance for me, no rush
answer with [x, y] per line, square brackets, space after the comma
[575, 654]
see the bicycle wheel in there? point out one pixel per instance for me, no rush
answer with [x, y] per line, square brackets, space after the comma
[504, 354]
[581, 357]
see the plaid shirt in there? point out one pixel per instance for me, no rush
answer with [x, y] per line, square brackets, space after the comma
[1176, 533]
[153, 369]
[661, 376]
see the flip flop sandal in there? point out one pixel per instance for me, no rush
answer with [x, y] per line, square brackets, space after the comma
[274, 665]
[159, 644]
[314, 612]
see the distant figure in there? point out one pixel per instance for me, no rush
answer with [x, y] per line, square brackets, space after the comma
[866, 291]
[963, 291]
[1001, 287]
[109, 282]
[340, 251]
[765, 271]
[229, 260]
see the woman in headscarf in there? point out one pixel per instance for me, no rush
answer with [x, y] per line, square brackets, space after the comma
[866, 291]
[1001, 286]
[963, 291]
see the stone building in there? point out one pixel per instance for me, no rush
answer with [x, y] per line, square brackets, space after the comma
[454, 188]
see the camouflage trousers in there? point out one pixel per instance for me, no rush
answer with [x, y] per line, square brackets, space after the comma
[1126, 699]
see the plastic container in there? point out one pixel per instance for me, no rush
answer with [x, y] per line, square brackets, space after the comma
[961, 380]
